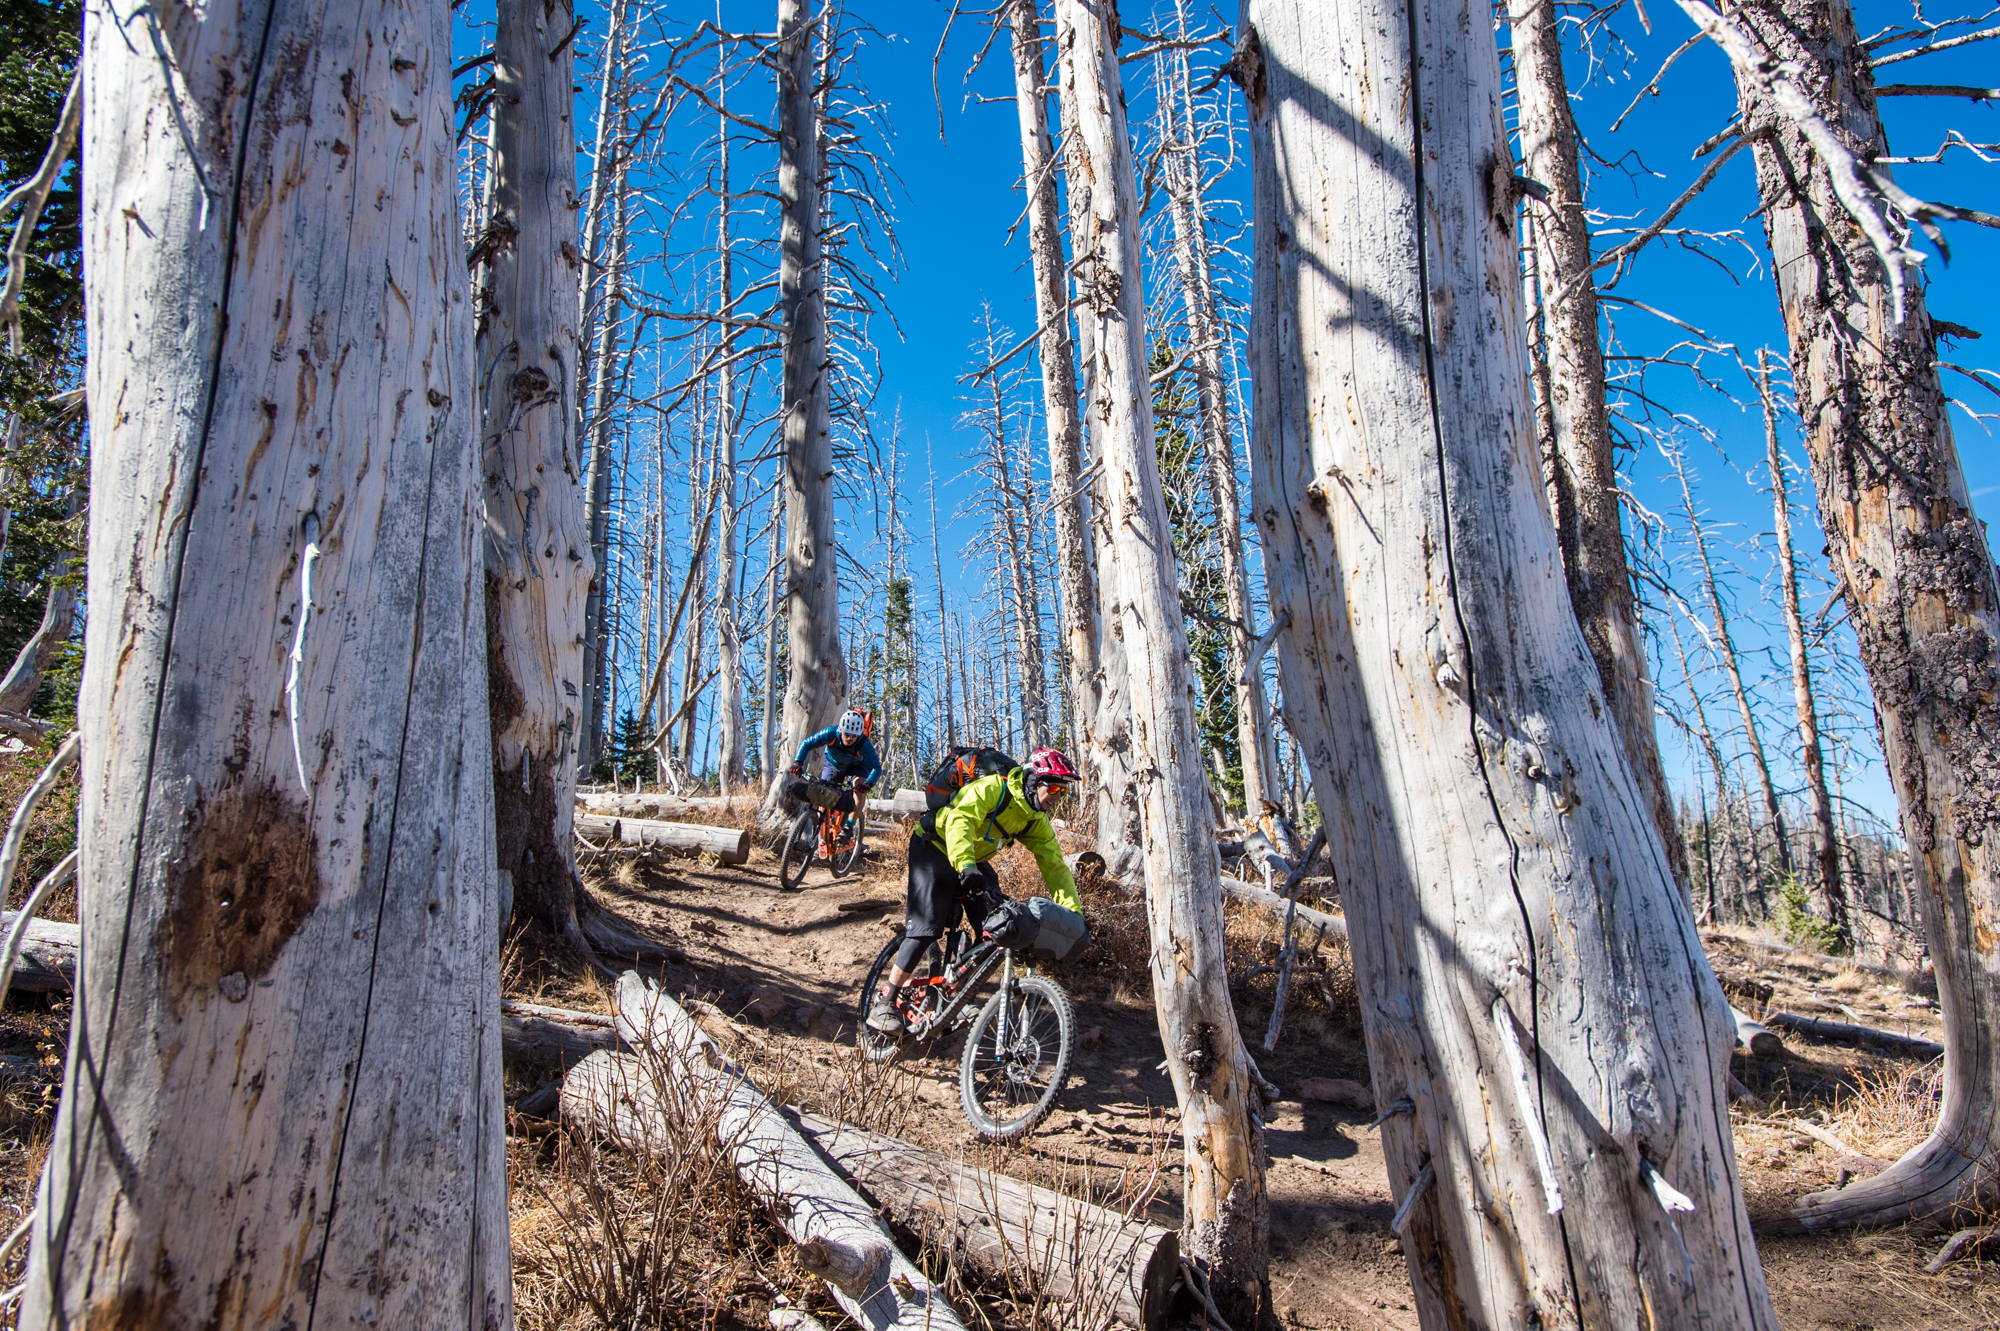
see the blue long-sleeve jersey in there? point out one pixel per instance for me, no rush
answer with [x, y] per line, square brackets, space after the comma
[841, 760]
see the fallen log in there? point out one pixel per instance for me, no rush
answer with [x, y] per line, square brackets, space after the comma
[1271, 901]
[614, 804]
[528, 1038]
[573, 1016]
[1759, 1039]
[47, 964]
[636, 1099]
[1914, 1045]
[1012, 1234]
[730, 844]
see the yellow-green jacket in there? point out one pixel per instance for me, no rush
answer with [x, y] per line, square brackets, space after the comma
[987, 814]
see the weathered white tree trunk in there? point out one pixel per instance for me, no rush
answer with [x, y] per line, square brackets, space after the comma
[1531, 983]
[1724, 645]
[38, 653]
[1572, 419]
[816, 671]
[1205, 338]
[1812, 756]
[539, 563]
[1918, 576]
[729, 637]
[264, 1120]
[1227, 1212]
[1075, 559]
[1108, 755]
[1012, 525]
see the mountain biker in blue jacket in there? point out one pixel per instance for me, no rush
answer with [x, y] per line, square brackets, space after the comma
[848, 753]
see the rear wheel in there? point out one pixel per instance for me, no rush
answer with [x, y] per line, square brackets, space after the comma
[798, 853]
[875, 1046]
[1007, 1083]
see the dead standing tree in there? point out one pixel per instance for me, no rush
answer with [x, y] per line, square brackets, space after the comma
[816, 668]
[1912, 558]
[1571, 415]
[538, 553]
[1546, 1038]
[1182, 167]
[287, 791]
[1227, 1225]
[1812, 757]
[1076, 560]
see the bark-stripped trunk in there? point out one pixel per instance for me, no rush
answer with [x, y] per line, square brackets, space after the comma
[773, 626]
[1535, 990]
[264, 1118]
[31, 664]
[1009, 520]
[1227, 1224]
[1108, 755]
[816, 677]
[944, 623]
[1076, 572]
[1918, 577]
[1205, 338]
[728, 635]
[1572, 421]
[1724, 644]
[1812, 756]
[538, 556]
[597, 477]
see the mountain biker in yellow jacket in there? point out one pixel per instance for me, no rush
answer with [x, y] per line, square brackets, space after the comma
[949, 868]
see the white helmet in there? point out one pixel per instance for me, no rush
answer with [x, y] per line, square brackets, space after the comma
[853, 724]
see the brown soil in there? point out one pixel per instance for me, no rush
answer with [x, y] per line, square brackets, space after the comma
[788, 968]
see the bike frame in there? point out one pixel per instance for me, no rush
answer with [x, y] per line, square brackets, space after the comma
[961, 978]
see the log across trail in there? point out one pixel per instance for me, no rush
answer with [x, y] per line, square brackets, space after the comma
[730, 844]
[1305, 916]
[48, 955]
[1012, 1234]
[839, 1235]
[902, 804]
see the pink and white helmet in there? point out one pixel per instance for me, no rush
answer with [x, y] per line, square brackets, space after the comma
[1047, 770]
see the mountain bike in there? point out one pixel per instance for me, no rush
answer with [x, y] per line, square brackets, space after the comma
[822, 831]
[1017, 1054]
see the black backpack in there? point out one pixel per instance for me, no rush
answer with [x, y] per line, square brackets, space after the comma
[963, 764]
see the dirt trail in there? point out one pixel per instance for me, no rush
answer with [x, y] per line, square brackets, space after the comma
[787, 967]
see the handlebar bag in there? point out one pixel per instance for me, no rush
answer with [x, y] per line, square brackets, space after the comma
[1060, 933]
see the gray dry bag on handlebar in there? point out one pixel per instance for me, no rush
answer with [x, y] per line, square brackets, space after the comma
[1039, 927]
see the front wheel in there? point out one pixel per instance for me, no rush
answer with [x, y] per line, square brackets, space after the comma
[1008, 1082]
[798, 855]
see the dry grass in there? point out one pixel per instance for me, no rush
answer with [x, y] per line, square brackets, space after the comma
[1889, 1113]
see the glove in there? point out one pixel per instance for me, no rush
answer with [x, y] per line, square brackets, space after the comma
[860, 787]
[798, 769]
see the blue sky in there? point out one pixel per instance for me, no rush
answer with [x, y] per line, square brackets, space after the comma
[957, 200]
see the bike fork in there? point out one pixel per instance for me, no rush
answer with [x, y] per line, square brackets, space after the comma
[1006, 1001]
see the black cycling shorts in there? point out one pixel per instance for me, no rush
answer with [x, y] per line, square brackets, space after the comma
[938, 892]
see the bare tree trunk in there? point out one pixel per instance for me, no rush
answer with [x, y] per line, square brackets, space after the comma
[1076, 570]
[1107, 752]
[538, 564]
[1725, 650]
[728, 635]
[1918, 576]
[945, 654]
[1580, 467]
[1205, 338]
[1802, 690]
[597, 640]
[1227, 1224]
[1537, 998]
[1008, 506]
[285, 524]
[774, 624]
[31, 664]
[816, 680]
